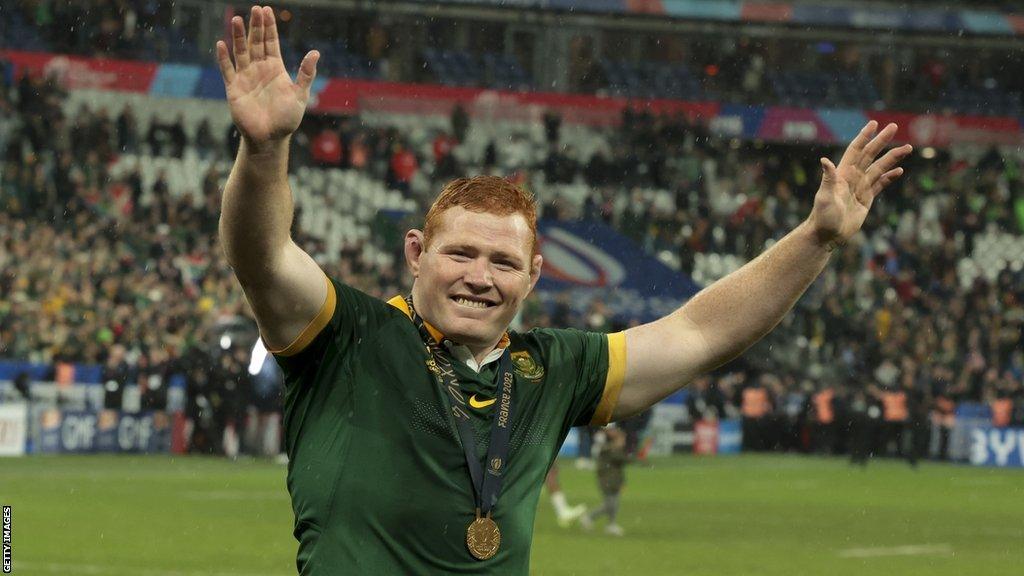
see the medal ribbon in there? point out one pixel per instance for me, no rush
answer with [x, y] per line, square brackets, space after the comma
[486, 488]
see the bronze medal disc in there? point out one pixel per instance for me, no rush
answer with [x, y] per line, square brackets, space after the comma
[483, 538]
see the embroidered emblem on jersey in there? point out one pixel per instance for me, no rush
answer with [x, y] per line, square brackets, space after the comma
[526, 367]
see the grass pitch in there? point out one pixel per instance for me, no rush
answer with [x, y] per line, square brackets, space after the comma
[761, 515]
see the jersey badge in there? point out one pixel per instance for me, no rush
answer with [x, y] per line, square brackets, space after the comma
[526, 366]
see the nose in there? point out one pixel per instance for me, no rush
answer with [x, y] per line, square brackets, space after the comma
[478, 274]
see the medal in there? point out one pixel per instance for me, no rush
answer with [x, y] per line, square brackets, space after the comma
[483, 537]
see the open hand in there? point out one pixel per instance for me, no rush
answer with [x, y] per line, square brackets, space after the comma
[847, 191]
[265, 104]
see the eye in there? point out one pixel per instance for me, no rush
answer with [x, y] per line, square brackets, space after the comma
[459, 256]
[505, 265]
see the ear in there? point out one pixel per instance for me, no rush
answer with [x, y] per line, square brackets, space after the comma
[535, 267]
[415, 246]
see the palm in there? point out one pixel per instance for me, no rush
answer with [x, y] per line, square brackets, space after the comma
[839, 206]
[265, 104]
[847, 191]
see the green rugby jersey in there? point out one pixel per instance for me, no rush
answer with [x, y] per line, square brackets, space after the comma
[377, 476]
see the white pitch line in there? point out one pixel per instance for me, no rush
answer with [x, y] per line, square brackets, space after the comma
[910, 550]
[103, 570]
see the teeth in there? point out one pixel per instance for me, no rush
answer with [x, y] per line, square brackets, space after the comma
[470, 303]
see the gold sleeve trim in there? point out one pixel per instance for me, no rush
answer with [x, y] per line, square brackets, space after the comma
[315, 326]
[613, 381]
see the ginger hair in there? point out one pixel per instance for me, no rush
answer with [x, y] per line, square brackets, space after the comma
[485, 194]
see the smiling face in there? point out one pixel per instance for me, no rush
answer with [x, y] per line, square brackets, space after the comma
[474, 274]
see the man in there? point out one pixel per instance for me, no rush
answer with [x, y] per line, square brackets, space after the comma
[824, 409]
[420, 430]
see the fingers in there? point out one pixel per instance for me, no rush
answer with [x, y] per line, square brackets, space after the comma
[878, 143]
[238, 44]
[256, 47]
[887, 162]
[864, 136]
[307, 71]
[855, 150]
[227, 69]
[828, 170]
[886, 179]
[270, 41]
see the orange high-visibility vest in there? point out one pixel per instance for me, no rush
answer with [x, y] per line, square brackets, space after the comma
[1002, 409]
[755, 403]
[823, 406]
[894, 406]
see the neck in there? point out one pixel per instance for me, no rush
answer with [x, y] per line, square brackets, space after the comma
[481, 352]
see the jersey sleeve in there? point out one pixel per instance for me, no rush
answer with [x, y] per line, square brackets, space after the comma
[596, 363]
[345, 315]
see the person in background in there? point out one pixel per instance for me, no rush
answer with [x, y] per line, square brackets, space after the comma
[1001, 404]
[564, 513]
[896, 415]
[918, 423]
[402, 168]
[326, 148]
[635, 429]
[861, 426]
[115, 375]
[460, 123]
[944, 408]
[611, 477]
[757, 405]
[823, 408]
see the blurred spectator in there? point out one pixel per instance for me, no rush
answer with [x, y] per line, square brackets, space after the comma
[459, 122]
[402, 168]
[326, 148]
[206, 144]
[115, 376]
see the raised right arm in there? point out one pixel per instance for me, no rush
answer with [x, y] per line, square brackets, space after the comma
[282, 283]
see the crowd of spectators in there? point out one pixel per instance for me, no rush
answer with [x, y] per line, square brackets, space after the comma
[730, 68]
[129, 29]
[92, 263]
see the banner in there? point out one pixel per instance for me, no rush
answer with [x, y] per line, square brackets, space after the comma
[595, 261]
[13, 429]
[670, 429]
[350, 96]
[683, 438]
[571, 447]
[105, 431]
[969, 416]
[831, 14]
[43, 371]
[1002, 447]
[78, 73]
[730, 436]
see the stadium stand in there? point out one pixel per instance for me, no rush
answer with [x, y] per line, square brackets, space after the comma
[725, 66]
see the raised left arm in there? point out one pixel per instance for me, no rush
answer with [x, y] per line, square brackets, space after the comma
[729, 316]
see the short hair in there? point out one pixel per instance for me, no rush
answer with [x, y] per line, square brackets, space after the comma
[486, 194]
